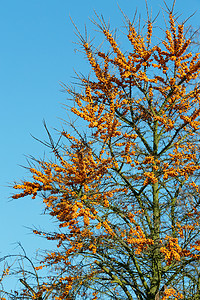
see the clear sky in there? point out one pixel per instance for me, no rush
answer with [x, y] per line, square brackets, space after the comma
[36, 53]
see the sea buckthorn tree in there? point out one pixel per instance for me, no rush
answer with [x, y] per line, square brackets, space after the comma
[125, 191]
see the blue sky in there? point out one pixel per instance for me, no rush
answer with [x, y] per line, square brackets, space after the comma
[36, 53]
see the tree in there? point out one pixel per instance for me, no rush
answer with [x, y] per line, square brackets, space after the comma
[126, 192]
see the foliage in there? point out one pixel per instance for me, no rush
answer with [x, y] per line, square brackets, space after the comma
[126, 193]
